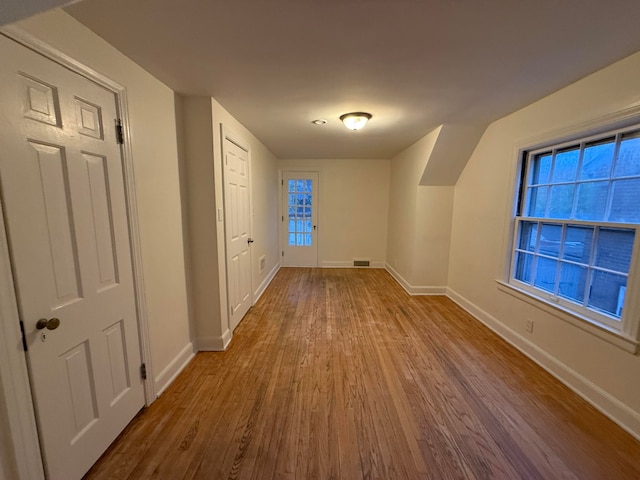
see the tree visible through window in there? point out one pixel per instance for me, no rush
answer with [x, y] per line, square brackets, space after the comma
[577, 224]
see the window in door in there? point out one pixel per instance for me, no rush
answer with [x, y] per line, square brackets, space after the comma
[300, 219]
[300, 206]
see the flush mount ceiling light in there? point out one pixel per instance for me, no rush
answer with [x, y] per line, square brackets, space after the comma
[355, 120]
[319, 121]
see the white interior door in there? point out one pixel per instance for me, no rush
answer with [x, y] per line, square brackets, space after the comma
[300, 219]
[237, 230]
[62, 184]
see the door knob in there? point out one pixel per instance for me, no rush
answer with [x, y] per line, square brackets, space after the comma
[50, 324]
[249, 241]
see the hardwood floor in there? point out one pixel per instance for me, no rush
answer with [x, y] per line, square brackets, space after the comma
[339, 374]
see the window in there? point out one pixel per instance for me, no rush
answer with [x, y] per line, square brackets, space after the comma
[577, 225]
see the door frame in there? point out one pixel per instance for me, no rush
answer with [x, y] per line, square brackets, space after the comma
[227, 134]
[13, 365]
[282, 214]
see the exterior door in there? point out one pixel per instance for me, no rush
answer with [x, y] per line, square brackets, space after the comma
[300, 219]
[62, 184]
[237, 231]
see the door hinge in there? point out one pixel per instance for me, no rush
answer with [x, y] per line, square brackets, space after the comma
[24, 338]
[282, 182]
[283, 218]
[143, 371]
[283, 253]
[119, 132]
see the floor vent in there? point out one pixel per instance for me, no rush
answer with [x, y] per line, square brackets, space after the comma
[361, 263]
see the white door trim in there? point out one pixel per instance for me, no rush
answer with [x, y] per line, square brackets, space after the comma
[13, 366]
[228, 134]
[282, 238]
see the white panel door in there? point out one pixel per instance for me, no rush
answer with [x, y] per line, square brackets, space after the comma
[62, 182]
[237, 230]
[300, 219]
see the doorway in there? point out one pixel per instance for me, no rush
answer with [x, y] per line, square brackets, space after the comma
[70, 254]
[300, 219]
[237, 206]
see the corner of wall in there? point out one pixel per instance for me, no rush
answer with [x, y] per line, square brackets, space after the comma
[417, 290]
[215, 344]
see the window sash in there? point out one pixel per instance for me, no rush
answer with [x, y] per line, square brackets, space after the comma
[623, 323]
[590, 314]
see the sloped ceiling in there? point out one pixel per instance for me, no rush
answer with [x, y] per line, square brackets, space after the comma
[414, 64]
[13, 10]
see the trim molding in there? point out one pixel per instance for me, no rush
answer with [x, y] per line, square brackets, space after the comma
[265, 283]
[349, 264]
[226, 134]
[415, 289]
[171, 371]
[610, 406]
[215, 344]
[614, 338]
[24, 451]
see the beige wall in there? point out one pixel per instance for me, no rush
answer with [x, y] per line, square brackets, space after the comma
[479, 248]
[202, 118]
[153, 137]
[197, 141]
[419, 221]
[352, 209]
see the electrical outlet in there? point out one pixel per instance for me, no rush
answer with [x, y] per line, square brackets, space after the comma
[530, 326]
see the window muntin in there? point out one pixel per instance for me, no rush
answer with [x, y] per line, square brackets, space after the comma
[577, 224]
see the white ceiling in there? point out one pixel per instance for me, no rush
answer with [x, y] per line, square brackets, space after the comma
[278, 64]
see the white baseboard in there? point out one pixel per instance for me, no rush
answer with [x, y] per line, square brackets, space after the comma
[265, 283]
[215, 344]
[413, 289]
[610, 406]
[171, 371]
[348, 264]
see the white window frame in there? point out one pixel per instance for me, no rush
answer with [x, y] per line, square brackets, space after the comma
[624, 333]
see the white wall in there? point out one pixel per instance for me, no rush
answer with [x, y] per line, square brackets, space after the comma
[153, 137]
[607, 375]
[352, 209]
[419, 221]
[201, 122]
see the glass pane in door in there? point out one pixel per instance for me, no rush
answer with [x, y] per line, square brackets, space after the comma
[300, 205]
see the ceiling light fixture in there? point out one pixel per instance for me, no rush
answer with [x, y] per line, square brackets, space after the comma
[355, 120]
[319, 121]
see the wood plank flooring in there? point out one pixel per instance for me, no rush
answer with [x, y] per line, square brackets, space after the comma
[339, 374]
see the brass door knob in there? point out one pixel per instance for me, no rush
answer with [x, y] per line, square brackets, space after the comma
[50, 324]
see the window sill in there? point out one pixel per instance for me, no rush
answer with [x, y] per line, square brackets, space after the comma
[607, 334]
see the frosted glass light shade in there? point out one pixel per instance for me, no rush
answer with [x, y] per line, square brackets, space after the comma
[355, 120]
